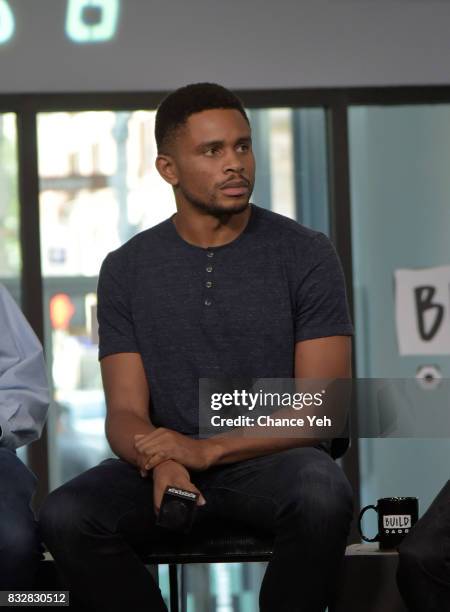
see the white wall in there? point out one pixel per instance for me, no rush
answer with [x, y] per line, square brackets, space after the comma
[162, 44]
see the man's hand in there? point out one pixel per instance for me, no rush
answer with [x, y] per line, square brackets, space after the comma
[173, 474]
[163, 444]
[141, 462]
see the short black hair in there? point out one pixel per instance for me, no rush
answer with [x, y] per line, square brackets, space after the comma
[179, 105]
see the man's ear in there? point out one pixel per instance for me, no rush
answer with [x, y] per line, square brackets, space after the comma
[165, 164]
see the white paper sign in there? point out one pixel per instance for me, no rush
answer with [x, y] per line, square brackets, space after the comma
[422, 311]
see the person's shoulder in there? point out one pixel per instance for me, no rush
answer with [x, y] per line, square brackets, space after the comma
[6, 299]
[284, 230]
[13, 322]
[145, 241]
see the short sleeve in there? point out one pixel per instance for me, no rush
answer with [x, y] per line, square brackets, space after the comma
[115, 321]
[321, 307]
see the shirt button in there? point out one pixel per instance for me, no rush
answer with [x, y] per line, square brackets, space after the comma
[208, 302]
[209, 268]
[209, 254]
[208, 284]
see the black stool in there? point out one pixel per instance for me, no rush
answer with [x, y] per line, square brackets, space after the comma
[221, 542]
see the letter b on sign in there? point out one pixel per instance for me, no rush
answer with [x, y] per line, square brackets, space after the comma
[422, 311]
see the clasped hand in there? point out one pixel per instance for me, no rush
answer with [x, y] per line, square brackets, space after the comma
[163, 444]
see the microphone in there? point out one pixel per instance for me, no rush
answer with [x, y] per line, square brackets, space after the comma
[177, 510]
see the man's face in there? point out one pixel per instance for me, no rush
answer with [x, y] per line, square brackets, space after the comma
[212, 150]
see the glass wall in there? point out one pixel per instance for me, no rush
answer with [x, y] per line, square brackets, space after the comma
[98, 188]
[10, 262]
[400, 192]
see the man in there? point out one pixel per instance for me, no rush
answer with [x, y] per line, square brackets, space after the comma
[423, 574]
[223, 288]
[24, 401]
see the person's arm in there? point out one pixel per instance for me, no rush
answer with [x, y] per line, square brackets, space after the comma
[24, 394]
[127, 400]
[326, 359]
[125, 383]
[320, 358]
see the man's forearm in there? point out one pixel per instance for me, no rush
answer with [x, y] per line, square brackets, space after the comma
[235, 446]
[120, 431]
[305, 428]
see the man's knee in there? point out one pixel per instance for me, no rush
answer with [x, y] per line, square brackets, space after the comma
[321, 493]
[422, 558]
[60, 517]
[76, 512]
[19, 542]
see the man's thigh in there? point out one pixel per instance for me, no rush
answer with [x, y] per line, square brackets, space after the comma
[259, 489]
[111, 498]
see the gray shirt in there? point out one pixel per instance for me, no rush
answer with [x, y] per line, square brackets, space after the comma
[235, 310]
[24, 395]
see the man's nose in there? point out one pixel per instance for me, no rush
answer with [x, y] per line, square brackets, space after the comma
[233, 162]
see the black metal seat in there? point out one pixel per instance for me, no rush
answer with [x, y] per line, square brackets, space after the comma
[218, 542]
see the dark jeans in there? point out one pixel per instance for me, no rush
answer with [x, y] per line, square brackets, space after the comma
[95, 524]
[20, 550]
[423, 574]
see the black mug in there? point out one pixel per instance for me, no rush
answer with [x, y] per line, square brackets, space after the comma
[396, 516]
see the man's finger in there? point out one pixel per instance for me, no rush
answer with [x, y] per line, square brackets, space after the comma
[144, 445]
[201, 501]
[156, 459]
[155, 447]
[147, 454]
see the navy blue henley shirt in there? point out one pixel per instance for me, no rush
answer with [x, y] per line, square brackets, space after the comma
[234, 310]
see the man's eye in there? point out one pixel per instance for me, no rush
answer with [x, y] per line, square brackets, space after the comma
[211, 150]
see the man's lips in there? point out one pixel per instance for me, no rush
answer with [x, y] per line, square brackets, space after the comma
[235, 191]
[235, 188]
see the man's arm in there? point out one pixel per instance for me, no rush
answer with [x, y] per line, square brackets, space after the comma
[24, 395]
[327, 358]
[320, 358]
[127, 399]
[124, 381]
